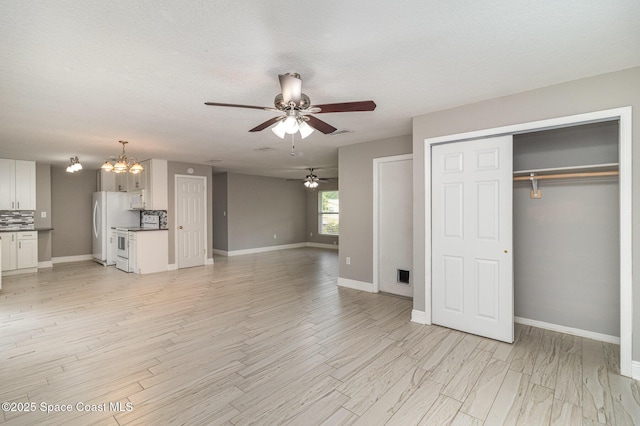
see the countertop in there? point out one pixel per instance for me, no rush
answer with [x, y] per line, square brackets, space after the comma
[26, 230]
[138, 228]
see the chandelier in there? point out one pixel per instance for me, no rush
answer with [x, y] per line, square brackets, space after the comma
[123, 164]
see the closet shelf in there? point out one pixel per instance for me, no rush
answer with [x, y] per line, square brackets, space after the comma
[604, 167]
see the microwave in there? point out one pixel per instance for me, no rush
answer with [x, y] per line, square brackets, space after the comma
[136, 199]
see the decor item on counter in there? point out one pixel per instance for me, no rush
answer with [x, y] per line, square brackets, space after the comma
[296, 109]
[123, 164]
[74, 165]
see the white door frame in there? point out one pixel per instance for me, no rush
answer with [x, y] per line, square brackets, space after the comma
[175, 209]
[376, 210]
[625, 167]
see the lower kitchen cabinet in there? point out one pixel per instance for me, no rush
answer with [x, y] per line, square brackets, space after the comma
[19, 251]
[149, 251]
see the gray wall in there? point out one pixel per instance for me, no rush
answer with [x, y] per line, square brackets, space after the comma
[612, 90]
[355, 165]
[220, 206]
[312, 213]
[43, 204]
[174, 168]
[71, 197]
[259, 207]
[566, 244]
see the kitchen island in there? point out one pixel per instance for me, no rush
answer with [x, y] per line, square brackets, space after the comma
[148, 249]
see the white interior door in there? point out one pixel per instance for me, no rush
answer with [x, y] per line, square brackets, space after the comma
[190, 220]
[472, 261]
[393, 233]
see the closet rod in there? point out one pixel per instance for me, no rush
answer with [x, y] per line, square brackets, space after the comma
[567, 175]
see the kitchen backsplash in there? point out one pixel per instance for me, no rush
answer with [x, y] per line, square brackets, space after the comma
[161, 213]
[19, 219]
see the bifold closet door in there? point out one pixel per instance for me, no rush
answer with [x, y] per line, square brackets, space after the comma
[472, 261]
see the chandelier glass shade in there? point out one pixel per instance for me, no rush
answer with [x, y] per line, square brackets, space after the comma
[123, 164]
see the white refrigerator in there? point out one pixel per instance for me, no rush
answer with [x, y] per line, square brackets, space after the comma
[109, 211]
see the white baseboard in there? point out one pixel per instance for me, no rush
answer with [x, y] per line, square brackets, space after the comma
[208, 261]
[66, 259]
[323, 245]
[172, 267]
[47, 264]
[419, 317]
[220, 252]
[20, 271]
[635, 370]
[356, 285]
[265, 249]
[568, 330]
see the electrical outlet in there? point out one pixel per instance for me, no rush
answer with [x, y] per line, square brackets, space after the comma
[43, 214]
[311, 234]
[348, 260]
[275, 237]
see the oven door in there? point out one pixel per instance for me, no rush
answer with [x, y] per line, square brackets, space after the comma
[122, 244]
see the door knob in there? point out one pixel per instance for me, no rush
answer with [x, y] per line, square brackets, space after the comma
[180, 227]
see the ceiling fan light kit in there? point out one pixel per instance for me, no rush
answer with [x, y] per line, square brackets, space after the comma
[297, 110]
[123, 164]
[74, 165]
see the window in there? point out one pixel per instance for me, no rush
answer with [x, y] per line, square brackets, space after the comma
[328, 213]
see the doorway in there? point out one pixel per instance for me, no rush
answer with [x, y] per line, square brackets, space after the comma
[623, 116]
[191, 214]
[393, 225]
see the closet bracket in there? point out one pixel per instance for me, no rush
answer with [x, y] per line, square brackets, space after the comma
[535, 193]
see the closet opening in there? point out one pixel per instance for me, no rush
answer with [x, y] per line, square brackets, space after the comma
[566, 230]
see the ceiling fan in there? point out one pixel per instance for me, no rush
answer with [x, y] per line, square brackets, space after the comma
[295, 110]
[311, 180]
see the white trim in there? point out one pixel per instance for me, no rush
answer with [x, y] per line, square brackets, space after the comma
[46, 264]
[624, 115]
[264, 249]
[66, 259]
[419, 317]
[568, 330]
[355, 285]
[323, 245]
[635, 370]
[208, 261]
[172, 267]
[376, 208]
[20, 271]
[274, 248]
[175, 206]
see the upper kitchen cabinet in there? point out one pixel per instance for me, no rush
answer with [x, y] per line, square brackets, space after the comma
[155, 184]
[138, 180]
[17, 185]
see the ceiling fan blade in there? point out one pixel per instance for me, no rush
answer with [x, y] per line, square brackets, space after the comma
[241, 106]
[320, 125]
[266, 124]
[346, 107]
[291, 86]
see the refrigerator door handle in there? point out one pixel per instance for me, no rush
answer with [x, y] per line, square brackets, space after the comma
[96, 219]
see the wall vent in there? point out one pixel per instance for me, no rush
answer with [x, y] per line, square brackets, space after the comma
[403, 276]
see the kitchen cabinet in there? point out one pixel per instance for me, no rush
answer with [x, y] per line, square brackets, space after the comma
[155, 184]
[9, 251]
[19, 251]
[148, 251]
[138, 180]
[106, 180]
[27, 251]
[17, 185]
[122, 182]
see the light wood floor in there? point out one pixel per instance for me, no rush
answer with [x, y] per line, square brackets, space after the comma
[270, 339]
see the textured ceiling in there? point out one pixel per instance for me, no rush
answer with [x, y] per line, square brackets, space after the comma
[78, 75]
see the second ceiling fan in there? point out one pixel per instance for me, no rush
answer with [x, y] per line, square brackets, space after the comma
[295, 110]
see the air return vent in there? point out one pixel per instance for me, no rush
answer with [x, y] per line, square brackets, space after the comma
[403, 276]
